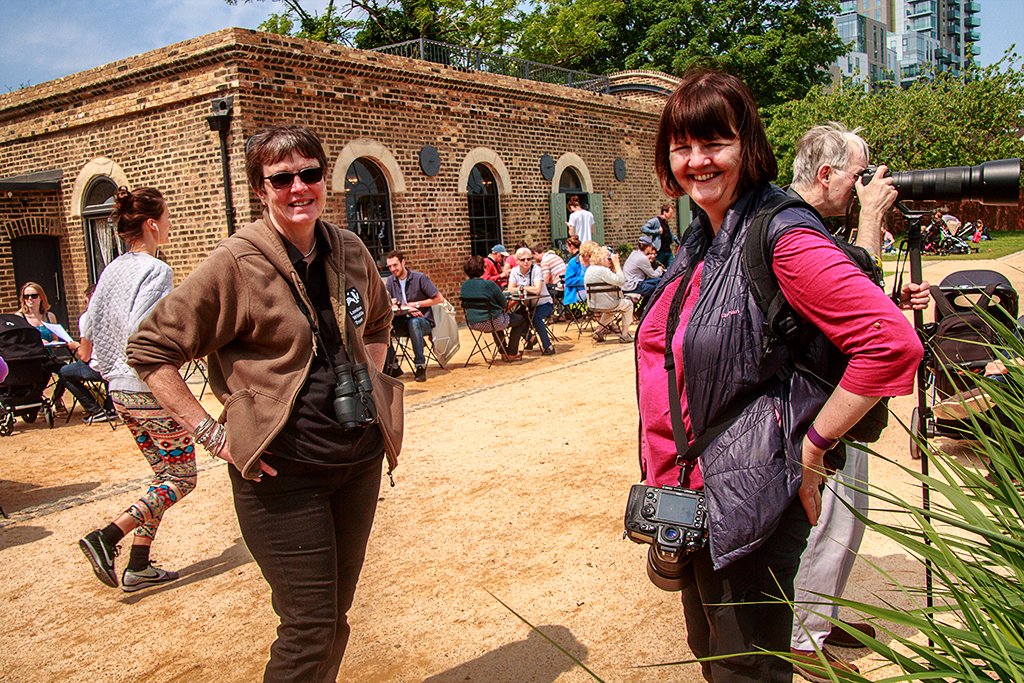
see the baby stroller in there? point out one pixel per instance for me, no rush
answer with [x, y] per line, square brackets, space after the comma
[960, 343]
[21, 392]
[941, 242]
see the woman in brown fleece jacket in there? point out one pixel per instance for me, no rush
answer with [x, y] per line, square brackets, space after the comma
[278, 309]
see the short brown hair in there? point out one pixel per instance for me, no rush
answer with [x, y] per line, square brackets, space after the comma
[667, 207]
[708, 105]
[474, 266]
[395, 254]
[277, 143]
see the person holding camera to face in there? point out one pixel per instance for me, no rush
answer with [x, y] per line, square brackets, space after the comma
[728, 423]
[829, 167]
[294, 321]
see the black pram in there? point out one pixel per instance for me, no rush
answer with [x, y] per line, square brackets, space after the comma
[29, 368]
[961, 342]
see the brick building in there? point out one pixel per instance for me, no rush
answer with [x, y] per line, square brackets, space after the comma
[436, 161]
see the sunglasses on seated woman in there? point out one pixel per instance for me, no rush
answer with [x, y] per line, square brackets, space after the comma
[284, 179]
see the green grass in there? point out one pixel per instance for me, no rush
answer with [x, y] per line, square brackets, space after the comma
[1005, 243]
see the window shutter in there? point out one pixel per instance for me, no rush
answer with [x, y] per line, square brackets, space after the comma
[559, 230]
[597, 208]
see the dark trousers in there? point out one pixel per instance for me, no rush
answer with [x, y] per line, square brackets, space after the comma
[308, 535]
[517, 327]
[738, 608]
[73, 375]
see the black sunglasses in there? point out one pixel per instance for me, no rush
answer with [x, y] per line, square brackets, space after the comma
[31, 296]
[284, 179]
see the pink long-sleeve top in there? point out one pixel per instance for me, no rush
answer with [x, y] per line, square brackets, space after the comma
[824, 288]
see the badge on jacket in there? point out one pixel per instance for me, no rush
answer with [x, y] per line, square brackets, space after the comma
[354, 306]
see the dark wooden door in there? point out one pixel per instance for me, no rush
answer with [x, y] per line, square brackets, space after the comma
[37, 259]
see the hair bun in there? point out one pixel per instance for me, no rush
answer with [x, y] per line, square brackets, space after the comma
[124, 199]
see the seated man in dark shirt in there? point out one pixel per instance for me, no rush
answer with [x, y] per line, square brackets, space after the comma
[413, 293]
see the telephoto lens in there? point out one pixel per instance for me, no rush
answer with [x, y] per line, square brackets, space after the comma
[994, 183]
[664, 569]
[347, 406]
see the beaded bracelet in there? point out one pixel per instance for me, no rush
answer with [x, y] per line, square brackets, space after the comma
[820, 441]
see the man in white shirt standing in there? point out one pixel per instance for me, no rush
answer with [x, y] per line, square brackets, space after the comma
[581, 221]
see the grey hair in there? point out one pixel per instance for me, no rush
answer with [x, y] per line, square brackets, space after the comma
[523, 251]
[829, 145]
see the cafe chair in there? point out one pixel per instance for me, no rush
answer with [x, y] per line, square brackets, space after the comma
[197, 365]
[613, 325]
[101, 393]
[487, 344]
[404, 354]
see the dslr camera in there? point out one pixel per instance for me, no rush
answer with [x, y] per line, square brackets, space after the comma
[674, 521]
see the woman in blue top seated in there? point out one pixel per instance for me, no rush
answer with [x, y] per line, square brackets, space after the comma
[478, 288]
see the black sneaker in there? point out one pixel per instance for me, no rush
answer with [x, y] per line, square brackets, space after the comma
[150, 576]
[101, 557]
[421, 374]
[98, 416]
[550, 351]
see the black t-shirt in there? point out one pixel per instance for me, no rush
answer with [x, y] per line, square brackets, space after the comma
[666, 235]
[312, 437]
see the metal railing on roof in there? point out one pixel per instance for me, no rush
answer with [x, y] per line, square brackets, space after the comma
[469, 59]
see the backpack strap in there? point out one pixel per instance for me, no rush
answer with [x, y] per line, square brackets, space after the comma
[781, 322]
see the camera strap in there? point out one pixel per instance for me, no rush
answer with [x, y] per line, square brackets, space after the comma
[686, 453]
[311, 319]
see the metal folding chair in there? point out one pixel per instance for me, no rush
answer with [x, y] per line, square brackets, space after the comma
[599, 313]
[486, 347]
[197, 365]
[404, 353]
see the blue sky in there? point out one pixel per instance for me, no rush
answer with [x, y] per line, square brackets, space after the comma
[45, 39]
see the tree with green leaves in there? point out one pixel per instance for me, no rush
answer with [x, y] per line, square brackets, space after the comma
[481, 24]
[780, 48]
[329, 27]
[939, 121]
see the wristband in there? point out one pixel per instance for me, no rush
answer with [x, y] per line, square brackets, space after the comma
[818, 440]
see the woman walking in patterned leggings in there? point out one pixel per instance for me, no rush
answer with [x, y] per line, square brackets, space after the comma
[127, 291]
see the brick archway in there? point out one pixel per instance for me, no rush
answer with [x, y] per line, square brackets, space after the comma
[575, 162]
[489, 158]
[369, 148]
[32, 225]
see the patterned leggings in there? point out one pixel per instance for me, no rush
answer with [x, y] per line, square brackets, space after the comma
[168, 449]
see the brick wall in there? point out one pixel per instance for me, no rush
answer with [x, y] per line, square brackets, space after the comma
[147, 115]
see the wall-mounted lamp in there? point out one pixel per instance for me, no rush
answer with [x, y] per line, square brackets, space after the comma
[220, 121]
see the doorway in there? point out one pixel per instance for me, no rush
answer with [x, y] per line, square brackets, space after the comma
[37, 259]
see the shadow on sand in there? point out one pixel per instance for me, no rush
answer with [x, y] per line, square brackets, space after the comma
[533, 659]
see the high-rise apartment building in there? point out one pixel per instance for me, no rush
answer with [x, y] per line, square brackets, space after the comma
[934, 35]
[919, 37]
[870, 61]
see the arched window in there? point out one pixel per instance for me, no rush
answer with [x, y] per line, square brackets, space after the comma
[368, 208]
[102, 245]
[569, 182]
[484, 211]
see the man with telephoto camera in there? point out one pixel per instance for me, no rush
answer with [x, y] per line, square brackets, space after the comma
[829, 166]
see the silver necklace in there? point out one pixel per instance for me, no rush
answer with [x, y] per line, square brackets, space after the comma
[311, 250]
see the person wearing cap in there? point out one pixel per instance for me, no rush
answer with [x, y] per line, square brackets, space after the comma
[493, 265]
[641, 275]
